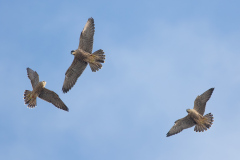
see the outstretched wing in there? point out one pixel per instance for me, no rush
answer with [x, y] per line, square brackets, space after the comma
[180, 125]
[200, 101]
[86, 37]
[74, 71]
[53, 98]
[33, 76]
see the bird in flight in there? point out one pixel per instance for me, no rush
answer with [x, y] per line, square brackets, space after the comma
[195, 116]
[39, 90]
[83, 56]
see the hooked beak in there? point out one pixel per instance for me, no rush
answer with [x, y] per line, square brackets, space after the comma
[73, 52]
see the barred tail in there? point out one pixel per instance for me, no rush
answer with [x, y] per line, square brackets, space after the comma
[206, 123]
[32, 102]
[98, 58]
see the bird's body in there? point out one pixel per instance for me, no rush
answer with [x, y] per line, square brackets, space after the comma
[83, 56]
[39, 90]
[195, 116]
[87, 57]
[31, 96]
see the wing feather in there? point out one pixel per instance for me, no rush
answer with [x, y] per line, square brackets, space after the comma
[200, 101]
[74, 71]
[33, 76]
[180, 125]
[53, 98]
[86, 37]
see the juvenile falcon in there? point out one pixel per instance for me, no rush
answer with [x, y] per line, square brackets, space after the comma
[195, 116]
[39, 90]
[82, 56]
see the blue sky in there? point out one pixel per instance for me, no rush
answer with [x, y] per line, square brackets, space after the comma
[159, 56]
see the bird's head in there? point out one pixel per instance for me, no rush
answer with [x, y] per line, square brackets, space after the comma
[73, 52]
[44, 83]
[188, 110]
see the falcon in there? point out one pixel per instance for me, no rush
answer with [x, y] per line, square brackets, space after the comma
[195, 116]
[83, 56]
[39, 90]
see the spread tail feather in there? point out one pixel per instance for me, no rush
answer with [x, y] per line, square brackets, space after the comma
[206, 123]
[28, 99]
[98, 57]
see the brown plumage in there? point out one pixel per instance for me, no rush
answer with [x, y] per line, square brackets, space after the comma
[39, 90]
[83, 56]
[195, 116]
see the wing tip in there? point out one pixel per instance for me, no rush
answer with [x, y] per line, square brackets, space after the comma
[90, 19]
[168, 135]
[65, 90]
[212, 89]
[28, 69]
[171, 134]
[65, 109]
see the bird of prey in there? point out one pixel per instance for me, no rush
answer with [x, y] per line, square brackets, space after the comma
[39, 90]
[83, 56]
[195, 116]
